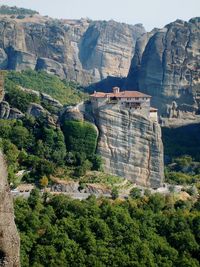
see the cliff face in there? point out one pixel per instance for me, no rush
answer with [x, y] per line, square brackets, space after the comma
[130, 146]
[81, 50]
[9, 239]
[166, 66]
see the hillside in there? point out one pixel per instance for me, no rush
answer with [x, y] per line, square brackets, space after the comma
[148, 231]
[66, 92]
[7, 10]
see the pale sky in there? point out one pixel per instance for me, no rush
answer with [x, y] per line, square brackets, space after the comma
[151, 13]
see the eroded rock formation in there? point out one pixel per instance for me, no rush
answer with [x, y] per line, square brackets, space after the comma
[82, 50]
[166, 66]
[9, 239]
[130, 146]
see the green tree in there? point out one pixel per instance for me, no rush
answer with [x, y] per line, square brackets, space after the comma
[135, 193]
[114, 193]
[44, 181]
[80, 137]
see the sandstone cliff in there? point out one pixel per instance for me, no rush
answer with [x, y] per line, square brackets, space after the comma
[130, 146]
[82, 50]
[9, 239]
[166, 66]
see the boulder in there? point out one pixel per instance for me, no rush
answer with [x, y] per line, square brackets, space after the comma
[15, 114]
[4, 110]
[37, 110]
[51, 101]
[72, 114]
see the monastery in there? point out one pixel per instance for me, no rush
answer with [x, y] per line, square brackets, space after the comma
[133, 100]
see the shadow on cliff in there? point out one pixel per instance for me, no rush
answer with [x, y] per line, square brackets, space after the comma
[106, 85]
[184, 140]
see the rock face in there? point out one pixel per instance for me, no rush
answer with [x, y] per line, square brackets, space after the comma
[166, 66]
[9, 239]
[130, 146]
[6, 112]
[81, 50]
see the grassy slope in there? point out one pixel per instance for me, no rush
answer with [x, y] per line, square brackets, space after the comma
[64, 91]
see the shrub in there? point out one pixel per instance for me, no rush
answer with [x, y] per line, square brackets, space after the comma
[80, 137]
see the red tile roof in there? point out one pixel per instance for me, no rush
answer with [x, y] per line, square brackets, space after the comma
[127, 94]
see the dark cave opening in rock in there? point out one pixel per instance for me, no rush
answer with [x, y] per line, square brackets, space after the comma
[2, 257]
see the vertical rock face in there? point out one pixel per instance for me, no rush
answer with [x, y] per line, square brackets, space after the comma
[109, 45]
[130, 146]
[9, 239]
[81, 50]
[166, 66]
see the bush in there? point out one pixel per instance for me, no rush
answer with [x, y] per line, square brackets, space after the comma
[179, 178]
[114, 193]
[80, 137]
[135, 193]
[18, 98]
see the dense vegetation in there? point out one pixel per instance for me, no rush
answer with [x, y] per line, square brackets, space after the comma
[182, 154]
[184, 140]
[35, 146]
[147, 231]
[80, 137]
[64, 91]
[18, 98]
[32, 145]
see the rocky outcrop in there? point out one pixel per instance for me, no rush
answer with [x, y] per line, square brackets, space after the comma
[37, 111]
[51, 66]
[66, 187]
[130, 146]
[50, 101]
[20, 60]
[9, 239]
[166, 66]
[6, 112]
[3, 59]
[81, 50]
[15, 114]
[71, 113]
[76, 188]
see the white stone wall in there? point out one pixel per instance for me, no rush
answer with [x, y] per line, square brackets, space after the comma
[154, 116]
[98, 103]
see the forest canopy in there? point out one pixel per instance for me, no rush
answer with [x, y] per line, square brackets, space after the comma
[148, 231]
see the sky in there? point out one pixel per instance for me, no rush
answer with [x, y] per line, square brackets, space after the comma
[151, 13]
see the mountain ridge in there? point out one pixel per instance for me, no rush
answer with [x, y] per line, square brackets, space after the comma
[82, 50]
